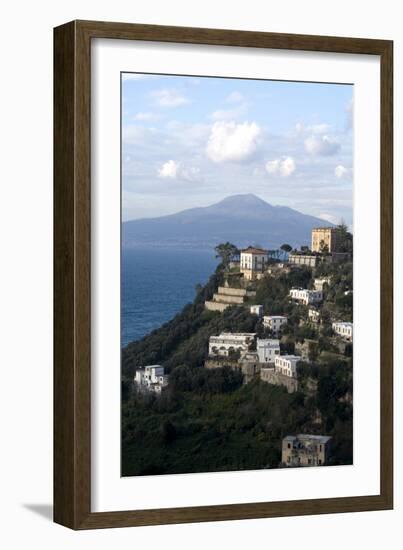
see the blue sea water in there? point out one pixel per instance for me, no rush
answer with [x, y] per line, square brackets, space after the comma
[156, 284]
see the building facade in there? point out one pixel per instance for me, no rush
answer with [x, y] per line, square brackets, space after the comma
[325, 239]
[257, 310]
[287, 365]
[274, 322]
[306, 296]
[305, 450]
[344, 329]
[321, 284]
[267, 350]
[314, 315]
[303, 259]
[253, 262]
[151, 378]
[227, 343]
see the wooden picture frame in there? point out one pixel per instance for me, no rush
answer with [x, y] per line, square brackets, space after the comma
[72, 270]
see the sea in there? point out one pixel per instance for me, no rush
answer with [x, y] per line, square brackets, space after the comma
[157, 284]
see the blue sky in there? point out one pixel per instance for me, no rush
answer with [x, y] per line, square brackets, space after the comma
[191, 141]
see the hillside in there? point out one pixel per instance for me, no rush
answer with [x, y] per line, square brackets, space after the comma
[241, 219]
[207, 420]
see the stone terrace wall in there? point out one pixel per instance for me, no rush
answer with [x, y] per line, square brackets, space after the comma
[228, 291]
[215, 306]
[277, 379]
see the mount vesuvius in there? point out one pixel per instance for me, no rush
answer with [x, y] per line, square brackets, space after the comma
[240, 219]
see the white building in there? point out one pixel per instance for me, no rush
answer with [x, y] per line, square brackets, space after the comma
[253, 262]
[313, 315]
[306, 296]
[344, 329]
[274, 322]
[151, 378]
[303, 259]
[257, 310]
[320, 284]
[287, 365]
[305, 450]
[267, 350]
[228, 342]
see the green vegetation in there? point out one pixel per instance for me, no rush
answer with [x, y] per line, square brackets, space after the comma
[225, 251]
[207, 419]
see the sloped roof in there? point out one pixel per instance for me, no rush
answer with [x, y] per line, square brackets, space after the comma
[253, 250]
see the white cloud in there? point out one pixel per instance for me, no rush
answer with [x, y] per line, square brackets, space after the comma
[229, 114]
[232, 142]
[135, 134]
[169, 169]
[146, 116]
[315, 129]
[340, 171]
[318, 128]
[284, 166]
[321, 145]
[169, 98]
[175, 170]
[234, 97]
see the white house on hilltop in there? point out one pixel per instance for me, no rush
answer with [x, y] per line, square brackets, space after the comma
[227, 342]
[344, 329]
[306, 296]
[287, 365]
[253, 262]
[267, 350]
[151, 378]
[274, 322]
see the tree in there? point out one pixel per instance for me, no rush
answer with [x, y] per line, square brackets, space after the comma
[323, 248]
[225, 251]
[286, 247]
[345, 238]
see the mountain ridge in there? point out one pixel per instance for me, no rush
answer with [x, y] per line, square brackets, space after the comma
[242, 219]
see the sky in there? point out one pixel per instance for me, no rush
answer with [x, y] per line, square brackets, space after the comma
[191, 141]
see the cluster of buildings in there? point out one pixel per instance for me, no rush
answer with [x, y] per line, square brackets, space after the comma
[325, 246]
[262, 357]
[253, 356]
[151, 379]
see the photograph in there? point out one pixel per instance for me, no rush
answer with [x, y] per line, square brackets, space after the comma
[236, 274]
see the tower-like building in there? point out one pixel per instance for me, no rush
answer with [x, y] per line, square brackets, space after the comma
[325, 238]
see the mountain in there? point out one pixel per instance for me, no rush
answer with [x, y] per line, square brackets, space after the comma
[240, 219]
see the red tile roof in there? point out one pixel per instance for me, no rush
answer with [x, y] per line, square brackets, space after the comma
[253, 250]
